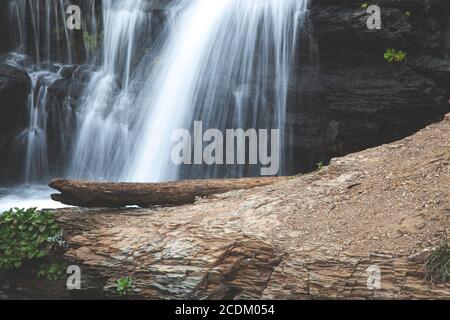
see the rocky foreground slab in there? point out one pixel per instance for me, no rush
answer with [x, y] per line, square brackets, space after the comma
[321, 235]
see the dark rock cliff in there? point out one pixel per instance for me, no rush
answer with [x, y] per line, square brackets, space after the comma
[64, 99]
[353, 98]
[14, 90]
[5, 41]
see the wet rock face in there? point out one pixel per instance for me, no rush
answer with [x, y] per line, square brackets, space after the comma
[352, 98]
[64, 99]
[403, 22]
[4, 28]
[14, 89]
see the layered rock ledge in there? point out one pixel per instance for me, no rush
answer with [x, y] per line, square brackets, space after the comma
[312, 236]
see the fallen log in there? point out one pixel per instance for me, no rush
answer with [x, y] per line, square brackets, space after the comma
[116, 195]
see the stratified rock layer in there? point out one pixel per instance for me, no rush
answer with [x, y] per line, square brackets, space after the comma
[313, 236]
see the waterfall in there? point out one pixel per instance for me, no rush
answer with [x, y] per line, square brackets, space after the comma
[43, 46]
[41, 30]
[36, 161]
[103, 138]
[226, 63]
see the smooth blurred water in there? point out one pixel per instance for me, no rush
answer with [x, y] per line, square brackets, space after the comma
[43, 45]
[104, 136]
[224, 62]
[32, 196]
[227, 63]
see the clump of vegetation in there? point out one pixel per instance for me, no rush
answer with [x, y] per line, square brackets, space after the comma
[320, 165]
[26, 235]
[52, 272]
[364, 5]
[392, 55]
[92, 41]
[408, 13]
[125, 286]
[438, 266]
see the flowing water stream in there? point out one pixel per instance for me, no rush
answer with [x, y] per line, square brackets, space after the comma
[227, 63]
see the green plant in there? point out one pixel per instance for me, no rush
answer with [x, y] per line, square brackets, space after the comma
[364, 5]
[92, 41]
[124, 286]
[437, 268]
[26, 235]
[319, 165]
[392, 55]
[52, 272]
[408, 13]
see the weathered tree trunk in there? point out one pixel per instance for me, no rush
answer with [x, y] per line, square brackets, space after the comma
[116, 195]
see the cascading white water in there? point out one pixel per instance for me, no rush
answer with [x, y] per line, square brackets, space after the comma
[224, 62]
[43, 46]
[36, 161]
[41, 29]
[34, 138]
[227, 63]
[102, 142]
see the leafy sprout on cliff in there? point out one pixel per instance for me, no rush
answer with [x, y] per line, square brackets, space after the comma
[364, 5]
[320, 165]
[125, 286]
[392, 55]
[92, 41]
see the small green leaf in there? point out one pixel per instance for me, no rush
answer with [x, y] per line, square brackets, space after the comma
[40, 254]
[392, 55]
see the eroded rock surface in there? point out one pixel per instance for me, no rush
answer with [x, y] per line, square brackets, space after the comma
[313, 236]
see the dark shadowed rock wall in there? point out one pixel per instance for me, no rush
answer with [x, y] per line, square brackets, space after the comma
[14, 89]
[352, 98]
[5, 41]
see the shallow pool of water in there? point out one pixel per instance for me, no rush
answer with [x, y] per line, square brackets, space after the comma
[27, 197]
